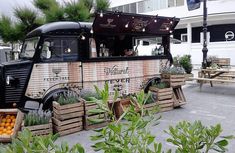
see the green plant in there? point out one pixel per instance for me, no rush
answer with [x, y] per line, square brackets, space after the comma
[104, 106]
[35, 118]
[27, 143]
[132, 136]
[89, 95]
[196, 138]
[186, 63]
[161, 85]
[173, 70]
[68, 98]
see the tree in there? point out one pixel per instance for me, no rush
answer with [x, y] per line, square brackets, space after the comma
[77, 11]
[102, 5]
[50, 11]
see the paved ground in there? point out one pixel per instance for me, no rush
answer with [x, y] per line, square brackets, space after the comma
[212, 105]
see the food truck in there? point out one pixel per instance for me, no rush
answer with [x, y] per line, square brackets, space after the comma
[125, 50]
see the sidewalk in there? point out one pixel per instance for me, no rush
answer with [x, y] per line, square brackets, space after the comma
[212, 105]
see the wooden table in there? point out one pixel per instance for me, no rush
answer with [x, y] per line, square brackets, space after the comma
[211, 74]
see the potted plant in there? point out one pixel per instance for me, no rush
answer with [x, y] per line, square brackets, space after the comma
[68, 113]
[98, 108]
[173, 75]
[186, 63]
[163, 94]
[39, 123]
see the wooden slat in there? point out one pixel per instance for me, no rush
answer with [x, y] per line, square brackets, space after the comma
[215, 80]
[62, 123]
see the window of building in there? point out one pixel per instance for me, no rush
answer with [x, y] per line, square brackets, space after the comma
[133, 8]
[141, 6]
[184, 37]
[174, 3]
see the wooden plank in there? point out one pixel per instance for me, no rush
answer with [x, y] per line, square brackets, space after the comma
[165, 101]
[215, 80]
[68, 126]
[69, 110]
[65, 107]
[69, 131]
[38, 127]
[166, 109]
[166, 105]
[68, 116]
[164, 97]
[65, 122]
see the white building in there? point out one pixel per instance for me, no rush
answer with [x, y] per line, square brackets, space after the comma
[221, 25]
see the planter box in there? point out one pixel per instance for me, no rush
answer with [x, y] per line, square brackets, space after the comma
[164, 98]
[18, 121]
[187, 76]
[121, 105]
[178, 96]
[150, 106]
[87, 124]
[68, 119]
[174, 80]
[43, 129]
[67, 126]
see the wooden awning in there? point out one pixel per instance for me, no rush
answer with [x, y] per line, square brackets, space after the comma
[127, 23]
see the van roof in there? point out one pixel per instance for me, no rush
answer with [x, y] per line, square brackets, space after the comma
[62, 27]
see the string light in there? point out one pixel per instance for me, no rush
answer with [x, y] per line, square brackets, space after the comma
[155, 20]
[127, 25]
[91, 31]
[167, 28]
[101, 14]
[143, 29]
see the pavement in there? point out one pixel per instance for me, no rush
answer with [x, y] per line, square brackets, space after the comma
[211, 105]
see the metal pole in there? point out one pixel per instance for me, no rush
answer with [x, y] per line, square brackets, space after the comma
[204, 49]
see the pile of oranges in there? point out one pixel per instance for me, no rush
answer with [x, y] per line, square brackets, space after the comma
[7, 123]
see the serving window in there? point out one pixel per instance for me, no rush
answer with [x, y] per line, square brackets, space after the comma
[127, 45]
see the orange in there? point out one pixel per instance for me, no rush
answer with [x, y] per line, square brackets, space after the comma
[8, 116]
[9, 128]
[1, 132]
[8, 132]
[3, 120]
[2, 124]
[12, 117]
[13, 120]
[4, 130]
[8, 120]
[7, 124]
[12, 124]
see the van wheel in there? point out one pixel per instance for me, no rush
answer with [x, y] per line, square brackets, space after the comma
[53, 96]
[150, 82]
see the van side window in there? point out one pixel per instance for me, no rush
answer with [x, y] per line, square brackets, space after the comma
[60, 49]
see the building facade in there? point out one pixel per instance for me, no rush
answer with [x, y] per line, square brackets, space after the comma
[221, 25]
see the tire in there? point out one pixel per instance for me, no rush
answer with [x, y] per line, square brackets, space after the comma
[53, 96]
[149, 83]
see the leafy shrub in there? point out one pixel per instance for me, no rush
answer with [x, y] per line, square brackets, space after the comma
[88, 94]
[173, 70]
[196, 138]
[186, 63]
[68, 98]
[27, 143]
[36, 118]
[161, 85]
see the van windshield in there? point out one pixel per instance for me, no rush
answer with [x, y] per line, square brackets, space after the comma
[28, 48]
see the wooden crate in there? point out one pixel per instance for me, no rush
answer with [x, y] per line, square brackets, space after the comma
[18, 122]
[164, 98]
[178, 96]
[63, 112]
[68, 119]
[150, 106]
[173, 80]
[87, 124]
[67, 126]
[43, 129]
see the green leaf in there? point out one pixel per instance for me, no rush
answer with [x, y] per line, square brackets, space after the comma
[96, 111]
[95, 120]
[222, 142]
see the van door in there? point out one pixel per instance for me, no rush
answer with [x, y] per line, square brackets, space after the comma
[59, 68]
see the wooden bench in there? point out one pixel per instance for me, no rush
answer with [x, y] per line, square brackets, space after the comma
[211, 80]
